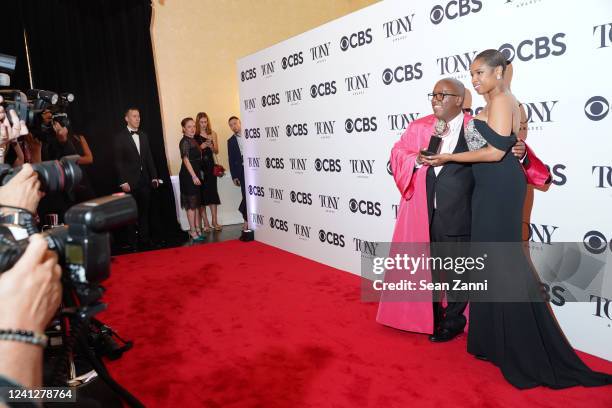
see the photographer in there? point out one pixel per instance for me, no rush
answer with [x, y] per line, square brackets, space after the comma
[67, 143]
[30, 291]
[22, 191]
[9, 134]
[42, 134]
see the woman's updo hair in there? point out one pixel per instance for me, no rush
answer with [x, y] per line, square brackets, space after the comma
[493, 58]
[184, 121]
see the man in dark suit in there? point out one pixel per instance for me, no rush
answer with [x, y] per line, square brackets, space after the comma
[449, 196]
[234, 151]
[136, 171]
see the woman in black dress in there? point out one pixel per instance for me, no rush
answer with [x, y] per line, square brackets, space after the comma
[69, 143]
[190, 178]
[522, 338]
[207, 139]
[66, 143]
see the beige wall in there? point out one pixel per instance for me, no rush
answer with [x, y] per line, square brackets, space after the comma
[196, 45]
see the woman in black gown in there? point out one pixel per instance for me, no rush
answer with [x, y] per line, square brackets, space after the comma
[522, 338]
[207, 139]
[190, 176]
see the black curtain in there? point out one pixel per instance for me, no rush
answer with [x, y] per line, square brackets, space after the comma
[101, 51]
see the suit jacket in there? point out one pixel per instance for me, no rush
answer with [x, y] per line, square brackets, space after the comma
[129, 163]
[452, 189]
[235, 159]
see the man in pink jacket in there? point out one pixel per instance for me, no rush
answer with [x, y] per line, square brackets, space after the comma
[436, 205]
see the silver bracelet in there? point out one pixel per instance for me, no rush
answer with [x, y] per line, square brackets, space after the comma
[24, 336]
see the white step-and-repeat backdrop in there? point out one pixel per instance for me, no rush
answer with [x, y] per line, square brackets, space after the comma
[321, 111]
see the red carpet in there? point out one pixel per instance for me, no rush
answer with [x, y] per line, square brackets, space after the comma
[247, 325]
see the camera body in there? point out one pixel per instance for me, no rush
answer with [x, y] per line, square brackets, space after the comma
[87, 246]
[83, 245]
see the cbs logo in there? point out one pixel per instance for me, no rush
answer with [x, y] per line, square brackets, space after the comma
[300, 129]
[454, 9]
[278, 224]
[331, 238]
[269, 100]
[402, 73]
[361, 125]
[328, 165]
[557, 173]
[356, 39]
[292, 60]
[553, 294]
[365, 207]
[323, 89]
[253, 133]
[248, 74]
[301, 198]
[256, 191]
[274, 163]
[596, 108]
[596, 243]
[539, 48]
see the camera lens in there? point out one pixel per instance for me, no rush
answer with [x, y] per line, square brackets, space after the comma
[62, 175]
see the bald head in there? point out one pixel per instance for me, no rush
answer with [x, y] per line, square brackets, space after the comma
[456, 85]
[449, 106]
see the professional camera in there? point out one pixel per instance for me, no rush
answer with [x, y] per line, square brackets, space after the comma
[83, 248]
[31, 104]
[54, 175]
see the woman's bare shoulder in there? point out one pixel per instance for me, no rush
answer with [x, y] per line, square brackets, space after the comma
[502, 103]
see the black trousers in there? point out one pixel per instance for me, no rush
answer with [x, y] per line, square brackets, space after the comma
[243, 207]
[142, 194]
[451, 317]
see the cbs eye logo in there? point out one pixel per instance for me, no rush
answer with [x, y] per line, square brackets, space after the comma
[256, 191]
[292, 60]
[248, 74]
[596, 108]
[332, 238]
[366, 124]
[328, 165]
[454, 9]
[595, 242]
[355, 40]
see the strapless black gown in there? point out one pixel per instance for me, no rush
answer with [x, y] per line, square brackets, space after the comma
[522, 338]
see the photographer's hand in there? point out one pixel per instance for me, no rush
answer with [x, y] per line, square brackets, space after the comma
[22, 191]
[8, 132]
[31, 290]
[30, 294]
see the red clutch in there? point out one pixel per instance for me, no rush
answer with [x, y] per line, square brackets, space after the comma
[218, 170]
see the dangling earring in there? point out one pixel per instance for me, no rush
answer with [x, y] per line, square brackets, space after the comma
[498, 77]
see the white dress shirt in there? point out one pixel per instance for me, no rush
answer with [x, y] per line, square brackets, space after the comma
[240, 140]
[449, 142]
[135, 138]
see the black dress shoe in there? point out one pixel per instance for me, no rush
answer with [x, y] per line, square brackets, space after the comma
[443, 335]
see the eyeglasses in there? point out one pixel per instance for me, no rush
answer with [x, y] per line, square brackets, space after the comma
[439, 96]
